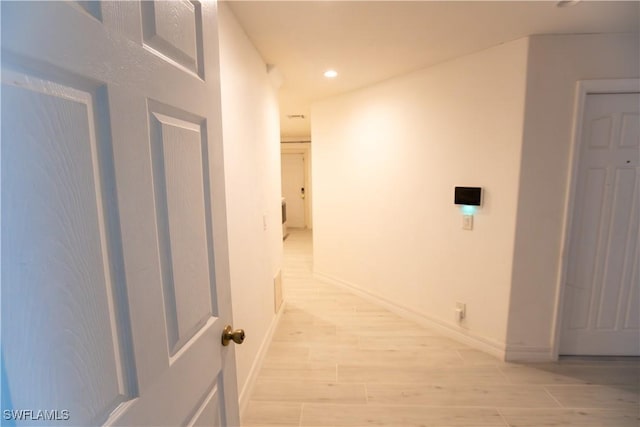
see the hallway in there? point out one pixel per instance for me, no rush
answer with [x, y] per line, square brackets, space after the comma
[338, 360]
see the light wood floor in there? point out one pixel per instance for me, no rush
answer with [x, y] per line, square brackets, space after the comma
[337, 360]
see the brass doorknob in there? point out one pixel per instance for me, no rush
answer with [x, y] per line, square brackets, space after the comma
[228, 334]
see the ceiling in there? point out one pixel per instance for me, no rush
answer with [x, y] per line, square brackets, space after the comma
[370, 41]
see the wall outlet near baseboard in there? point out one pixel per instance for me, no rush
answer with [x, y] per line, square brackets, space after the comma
[461, 311]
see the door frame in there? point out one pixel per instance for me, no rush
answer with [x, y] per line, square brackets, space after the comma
[304, 148]
[583, 88]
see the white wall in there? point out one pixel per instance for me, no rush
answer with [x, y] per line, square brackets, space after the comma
[386, 160]
[556, 63]
[251, 135]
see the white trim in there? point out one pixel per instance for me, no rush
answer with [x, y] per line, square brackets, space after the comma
[515, 353]
[583, 88]
[247, 389]
[464, 336]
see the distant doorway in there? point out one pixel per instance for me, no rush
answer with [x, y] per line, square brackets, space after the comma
[294, 188]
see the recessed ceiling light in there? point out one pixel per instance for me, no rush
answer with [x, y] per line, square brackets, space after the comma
[330, 74]
[567, 3]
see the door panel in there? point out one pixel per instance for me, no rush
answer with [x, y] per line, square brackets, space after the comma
[178, 181]
[173, 29]
[115, 266]
[616, 245]
[209, 412]
[292, 183]
[630, 130]
[60, 307]
[601, 307]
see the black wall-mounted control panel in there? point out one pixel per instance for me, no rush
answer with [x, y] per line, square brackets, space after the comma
[470, 196]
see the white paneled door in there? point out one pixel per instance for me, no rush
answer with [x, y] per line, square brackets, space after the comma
[293, 188]
[602, 294]
[115, 281]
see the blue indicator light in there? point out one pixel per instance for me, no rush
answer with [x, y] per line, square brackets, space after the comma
[468, 210]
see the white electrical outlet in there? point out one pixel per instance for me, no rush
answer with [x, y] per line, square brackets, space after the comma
[461, 311]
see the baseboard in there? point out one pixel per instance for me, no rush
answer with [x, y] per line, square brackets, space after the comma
[247, 389]
[463, 336]
[516, 353]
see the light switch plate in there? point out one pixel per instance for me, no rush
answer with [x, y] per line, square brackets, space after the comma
[467, 222]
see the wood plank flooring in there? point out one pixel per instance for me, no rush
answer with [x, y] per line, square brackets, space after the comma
[338, 360]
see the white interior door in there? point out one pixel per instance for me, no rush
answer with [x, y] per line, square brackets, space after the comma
[293, 188]
[115, 281]
[602, 294]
